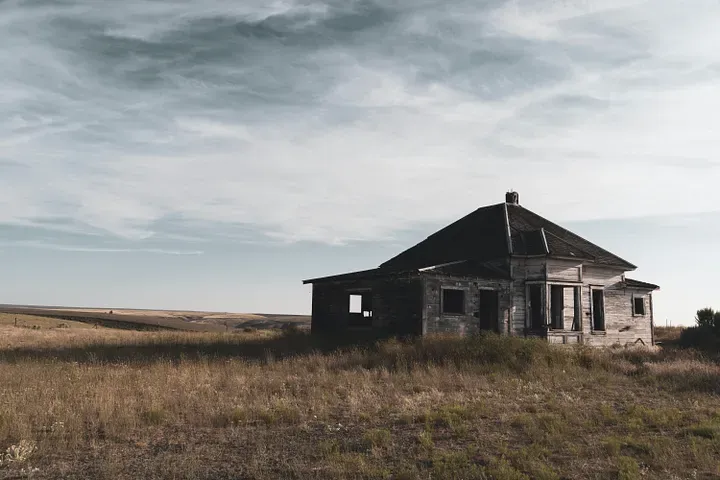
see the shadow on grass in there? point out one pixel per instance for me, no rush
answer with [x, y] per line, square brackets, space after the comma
[188, 347]
[488, 352]
[677, 369]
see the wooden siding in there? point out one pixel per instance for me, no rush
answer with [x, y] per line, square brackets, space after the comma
[564, 270]
[412, 304]
[396, 304]
[437, 322]
[621, 327]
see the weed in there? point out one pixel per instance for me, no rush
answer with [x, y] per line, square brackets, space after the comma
[378, 437]
[154, 416]
[628, 469]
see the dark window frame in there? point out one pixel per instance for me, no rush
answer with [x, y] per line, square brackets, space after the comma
[635, 299]
[593, 323]
[462, 299]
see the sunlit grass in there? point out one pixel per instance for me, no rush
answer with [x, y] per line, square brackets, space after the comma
[121, 404]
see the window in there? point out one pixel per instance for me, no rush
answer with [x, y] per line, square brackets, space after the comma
[638, 305]
[360, 309]
[355, 303]
[557, 307]
[577, 310]
[536, 308]
[598, 309]
[453, 301]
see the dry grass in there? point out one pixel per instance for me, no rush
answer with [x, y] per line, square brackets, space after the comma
[38, 322]
[119, 404]
[154, 320]
[668, 335]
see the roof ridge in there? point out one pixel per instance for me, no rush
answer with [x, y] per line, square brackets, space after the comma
[508, 233]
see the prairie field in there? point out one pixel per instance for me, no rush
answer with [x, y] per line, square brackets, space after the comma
[118, 404]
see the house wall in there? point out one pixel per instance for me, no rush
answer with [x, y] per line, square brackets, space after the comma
[435, 321]
[621, 327]
[396, 304]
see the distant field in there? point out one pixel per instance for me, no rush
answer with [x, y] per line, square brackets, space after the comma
[80, 403]
[35, 321]
[161, 319]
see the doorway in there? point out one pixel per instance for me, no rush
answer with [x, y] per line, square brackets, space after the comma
[488, 312]
[536, 307]
[598, 309]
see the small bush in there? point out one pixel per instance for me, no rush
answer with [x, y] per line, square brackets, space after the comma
[154, 416]
[425, 440]
[702, 337]
[378, 437]
[628, 469]
[706, 430]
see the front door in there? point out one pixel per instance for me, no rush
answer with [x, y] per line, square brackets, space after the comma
[488, 312]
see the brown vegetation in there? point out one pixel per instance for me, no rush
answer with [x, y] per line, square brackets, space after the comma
[119, 404]
[154, 320]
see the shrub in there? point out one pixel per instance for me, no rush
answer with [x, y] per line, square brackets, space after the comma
[707, 317]
[701, 337]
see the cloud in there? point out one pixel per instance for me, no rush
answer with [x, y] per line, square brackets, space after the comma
[339, 121]
[91, 249]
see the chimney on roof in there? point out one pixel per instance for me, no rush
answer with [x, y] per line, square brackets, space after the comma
[512, 198]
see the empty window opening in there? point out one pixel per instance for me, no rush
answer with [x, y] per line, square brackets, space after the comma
[638, 306]
[535, 305]
[360, 309]
[557, 307]
[577, 310]
[453, 301]
[598, 310]
[355, 303]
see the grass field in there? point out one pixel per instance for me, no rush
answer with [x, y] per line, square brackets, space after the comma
[38, 322]
[133, 319]
[105, 403]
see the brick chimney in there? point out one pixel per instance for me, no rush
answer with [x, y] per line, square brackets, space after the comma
[512, 198]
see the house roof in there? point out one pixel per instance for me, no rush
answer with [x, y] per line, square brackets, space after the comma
[359, 275]
[629, 282]
[460, 268]
[497, 231]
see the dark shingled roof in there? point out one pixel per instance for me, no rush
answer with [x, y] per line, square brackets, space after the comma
[481, 235]
[562, 242]
[497, 231]
[359, 275]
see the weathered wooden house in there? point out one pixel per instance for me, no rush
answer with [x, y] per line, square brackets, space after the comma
[501, 268]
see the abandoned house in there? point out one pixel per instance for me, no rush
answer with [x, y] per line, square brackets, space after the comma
[501, 268]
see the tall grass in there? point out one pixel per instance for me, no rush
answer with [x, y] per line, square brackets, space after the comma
[117, 404]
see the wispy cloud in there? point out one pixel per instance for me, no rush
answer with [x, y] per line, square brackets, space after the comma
[333, 121]
[92, 249]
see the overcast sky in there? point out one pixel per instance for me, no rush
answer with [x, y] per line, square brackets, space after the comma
[212, 154]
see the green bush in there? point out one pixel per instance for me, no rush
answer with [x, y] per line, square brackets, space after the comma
[707, 317]
[706, 334]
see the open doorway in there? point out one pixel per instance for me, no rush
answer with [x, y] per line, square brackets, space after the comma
[562, 297]
[536, 307]
[488, 313]
[598, 309]
[557, 307]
